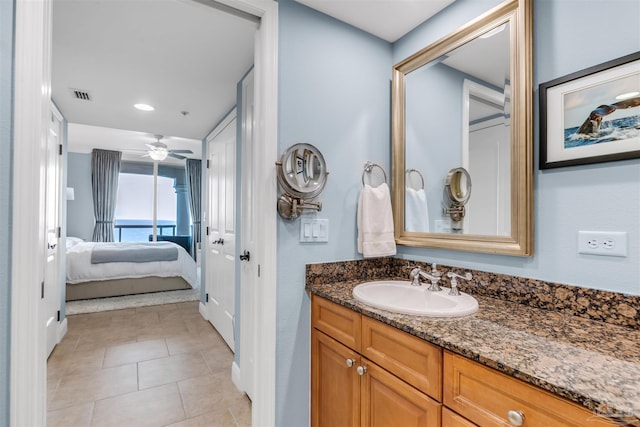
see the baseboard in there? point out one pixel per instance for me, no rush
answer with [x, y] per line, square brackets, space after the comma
[203, 311]
[62, 329]
[235, 376]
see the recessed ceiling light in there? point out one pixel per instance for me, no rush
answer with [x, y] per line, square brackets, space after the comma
[627, 95]
[144, 107]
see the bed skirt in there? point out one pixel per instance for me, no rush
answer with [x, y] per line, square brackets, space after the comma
[119, 287]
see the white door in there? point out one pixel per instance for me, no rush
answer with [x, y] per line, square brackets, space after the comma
[51, 285]
[220, 271]
[248, 268]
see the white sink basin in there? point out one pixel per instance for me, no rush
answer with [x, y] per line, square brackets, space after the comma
[401, 297]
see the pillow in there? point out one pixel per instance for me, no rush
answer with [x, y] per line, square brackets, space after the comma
[72, 241]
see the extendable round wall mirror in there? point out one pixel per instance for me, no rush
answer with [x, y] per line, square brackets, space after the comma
[458, 186]
[302, 175]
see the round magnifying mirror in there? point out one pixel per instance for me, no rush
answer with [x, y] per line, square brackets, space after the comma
[458, 186]
[302, 171]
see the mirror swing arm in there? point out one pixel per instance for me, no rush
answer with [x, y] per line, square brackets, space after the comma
[518, 13]
[302, 174]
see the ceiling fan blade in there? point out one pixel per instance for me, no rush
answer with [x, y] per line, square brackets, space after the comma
[176, 156]
[152, 146]
[181, 151]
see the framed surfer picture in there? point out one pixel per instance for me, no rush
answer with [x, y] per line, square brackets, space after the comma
[592, 115]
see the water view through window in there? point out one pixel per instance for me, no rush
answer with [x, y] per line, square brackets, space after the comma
[134, 207]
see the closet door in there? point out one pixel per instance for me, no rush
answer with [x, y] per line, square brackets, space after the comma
[220, 271]
[51, 285]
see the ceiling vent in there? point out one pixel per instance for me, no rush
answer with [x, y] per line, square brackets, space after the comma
[82, 95]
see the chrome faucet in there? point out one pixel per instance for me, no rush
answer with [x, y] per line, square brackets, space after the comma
[454, 281]
[415, 274]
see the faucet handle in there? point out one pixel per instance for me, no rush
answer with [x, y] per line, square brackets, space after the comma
[454, 281]
[434, 270]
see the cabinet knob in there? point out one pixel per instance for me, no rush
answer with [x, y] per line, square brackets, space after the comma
[361, 370]
[350, 362]
[516, 418]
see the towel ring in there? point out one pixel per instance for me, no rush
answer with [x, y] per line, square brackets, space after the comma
[419, 174]
[368, 169]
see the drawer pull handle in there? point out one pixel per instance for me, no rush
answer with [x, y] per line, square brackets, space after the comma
[516, 418]
[361, 370]
[350, 362]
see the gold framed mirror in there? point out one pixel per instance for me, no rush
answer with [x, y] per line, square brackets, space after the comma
[465, 101]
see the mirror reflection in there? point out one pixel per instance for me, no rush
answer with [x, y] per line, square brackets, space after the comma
[458, 116]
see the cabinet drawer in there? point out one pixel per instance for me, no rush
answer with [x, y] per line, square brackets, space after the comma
[485, 396]
[451, 419]
[336, 321]
[416, 361]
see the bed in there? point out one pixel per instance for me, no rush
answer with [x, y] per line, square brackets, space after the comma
[97, 270]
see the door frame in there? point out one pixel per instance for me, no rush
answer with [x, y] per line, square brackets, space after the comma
[32, 93]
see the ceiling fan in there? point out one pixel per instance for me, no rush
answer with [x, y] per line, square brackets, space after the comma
[159, 150]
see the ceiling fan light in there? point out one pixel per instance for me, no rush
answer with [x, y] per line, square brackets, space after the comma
[159, 154]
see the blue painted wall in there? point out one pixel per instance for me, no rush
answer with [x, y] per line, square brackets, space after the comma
[598, 197]
[80, 210]
[334, 92]
[6, 137]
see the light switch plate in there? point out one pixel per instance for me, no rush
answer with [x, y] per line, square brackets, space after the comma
[314, 230]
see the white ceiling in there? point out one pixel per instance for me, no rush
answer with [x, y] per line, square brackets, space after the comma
[177, 55]
[386, 19]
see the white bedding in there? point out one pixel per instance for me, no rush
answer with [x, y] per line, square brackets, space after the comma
[80, 269]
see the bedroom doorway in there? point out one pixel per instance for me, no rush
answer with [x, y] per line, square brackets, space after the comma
[31, 63]
[221, 227]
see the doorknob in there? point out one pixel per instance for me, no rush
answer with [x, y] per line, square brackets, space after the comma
[50, 246]
[246, 256]
[220, 241]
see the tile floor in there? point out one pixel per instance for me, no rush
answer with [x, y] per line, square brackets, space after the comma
[161, 365]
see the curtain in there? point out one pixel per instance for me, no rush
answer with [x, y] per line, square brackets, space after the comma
[105, 169]
[194, 184]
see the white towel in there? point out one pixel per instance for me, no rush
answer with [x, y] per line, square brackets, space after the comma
[416, 212]
[375, 222]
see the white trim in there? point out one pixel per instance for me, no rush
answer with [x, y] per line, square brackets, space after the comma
[203, 310]
[236, 376]
[27, 404]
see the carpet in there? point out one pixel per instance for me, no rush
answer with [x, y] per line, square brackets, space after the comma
[131, 301]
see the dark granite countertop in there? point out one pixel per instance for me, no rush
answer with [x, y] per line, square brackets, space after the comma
[592, 363]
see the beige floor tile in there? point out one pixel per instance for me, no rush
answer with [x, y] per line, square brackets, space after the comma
[242, 413]
[156, 308]
[209, 393]
[125, 354]
[219, 359]
[77, 362]
[161, 331]
[221, 418]
[190, 342]
[107, 337]
[73, 416]
[154, 407]
[91, 386]
[156, 372]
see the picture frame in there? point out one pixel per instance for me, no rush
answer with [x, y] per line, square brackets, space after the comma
[592, 115]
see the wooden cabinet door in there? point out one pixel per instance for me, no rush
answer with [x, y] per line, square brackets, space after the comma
[388, 401]
[335, 386]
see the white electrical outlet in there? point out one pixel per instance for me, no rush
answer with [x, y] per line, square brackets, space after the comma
[610, 243]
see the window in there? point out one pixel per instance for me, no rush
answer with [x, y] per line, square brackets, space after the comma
[134, 207]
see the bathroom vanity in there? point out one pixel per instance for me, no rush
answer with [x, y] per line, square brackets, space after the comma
[506, 365]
